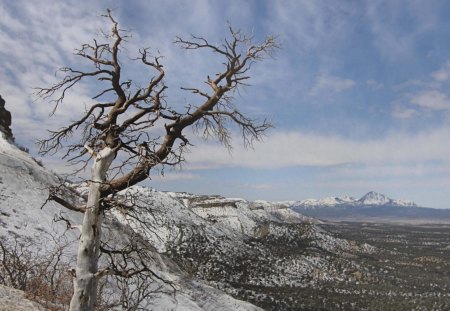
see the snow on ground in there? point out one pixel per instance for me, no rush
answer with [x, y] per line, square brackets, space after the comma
[23, 190]
[240, 215]
[222, 226]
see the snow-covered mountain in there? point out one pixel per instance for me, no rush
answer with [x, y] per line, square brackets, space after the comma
[329, 201]
[372, 206]
[369, 199]
[374, 198]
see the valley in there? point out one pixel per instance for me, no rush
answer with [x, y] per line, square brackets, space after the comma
[407, 270]
[411, 272]
[364, 266]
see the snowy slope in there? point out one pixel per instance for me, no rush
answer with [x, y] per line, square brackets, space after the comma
[23, 190]
[238, 214]
[210, 247]
[172, 218]
[239, 246]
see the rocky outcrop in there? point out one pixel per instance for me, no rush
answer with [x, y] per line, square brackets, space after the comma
[14, 300]
[5, 120]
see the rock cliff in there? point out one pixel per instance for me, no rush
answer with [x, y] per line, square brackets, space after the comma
[5, 120]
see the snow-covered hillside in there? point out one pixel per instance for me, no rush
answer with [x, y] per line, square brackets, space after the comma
[210, 247]
[24, 188]
[239, 246]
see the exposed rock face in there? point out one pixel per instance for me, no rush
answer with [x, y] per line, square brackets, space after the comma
[5, 120]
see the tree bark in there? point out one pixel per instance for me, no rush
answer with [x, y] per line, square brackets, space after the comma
[86, 279]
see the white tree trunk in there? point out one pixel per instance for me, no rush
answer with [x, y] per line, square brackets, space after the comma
[85, 282]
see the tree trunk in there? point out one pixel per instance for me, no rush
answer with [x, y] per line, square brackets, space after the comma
[86, 279]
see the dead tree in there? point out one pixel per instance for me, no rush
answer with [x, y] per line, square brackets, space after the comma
[121, 129]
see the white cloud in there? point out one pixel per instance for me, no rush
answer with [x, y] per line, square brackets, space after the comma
[387, 171]
[290, 149]
[325, 83]
[403, 113]
[430, 96]
[33, 46]
[431, 99]
[443, 73]
[8, 21]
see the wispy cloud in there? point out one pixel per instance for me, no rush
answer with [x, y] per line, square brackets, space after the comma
[403, 112]
[443, 73]
[431, 99]
[308, 24]
[289, 149]
[34, 46]
[347, 53]
[391, 37]
[389, 170]
[425, 95]
[325, 83]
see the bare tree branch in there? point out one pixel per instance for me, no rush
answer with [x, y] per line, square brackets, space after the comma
[121, 132]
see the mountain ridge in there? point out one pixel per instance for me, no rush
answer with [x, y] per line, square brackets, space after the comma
[369, 199]
[373, 207]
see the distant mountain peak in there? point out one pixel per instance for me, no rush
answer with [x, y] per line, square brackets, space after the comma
[369, 199]
[375, 198]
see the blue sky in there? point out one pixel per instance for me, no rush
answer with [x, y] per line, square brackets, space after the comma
[358, 93]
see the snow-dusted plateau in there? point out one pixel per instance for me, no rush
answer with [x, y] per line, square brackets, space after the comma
[214, 253]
